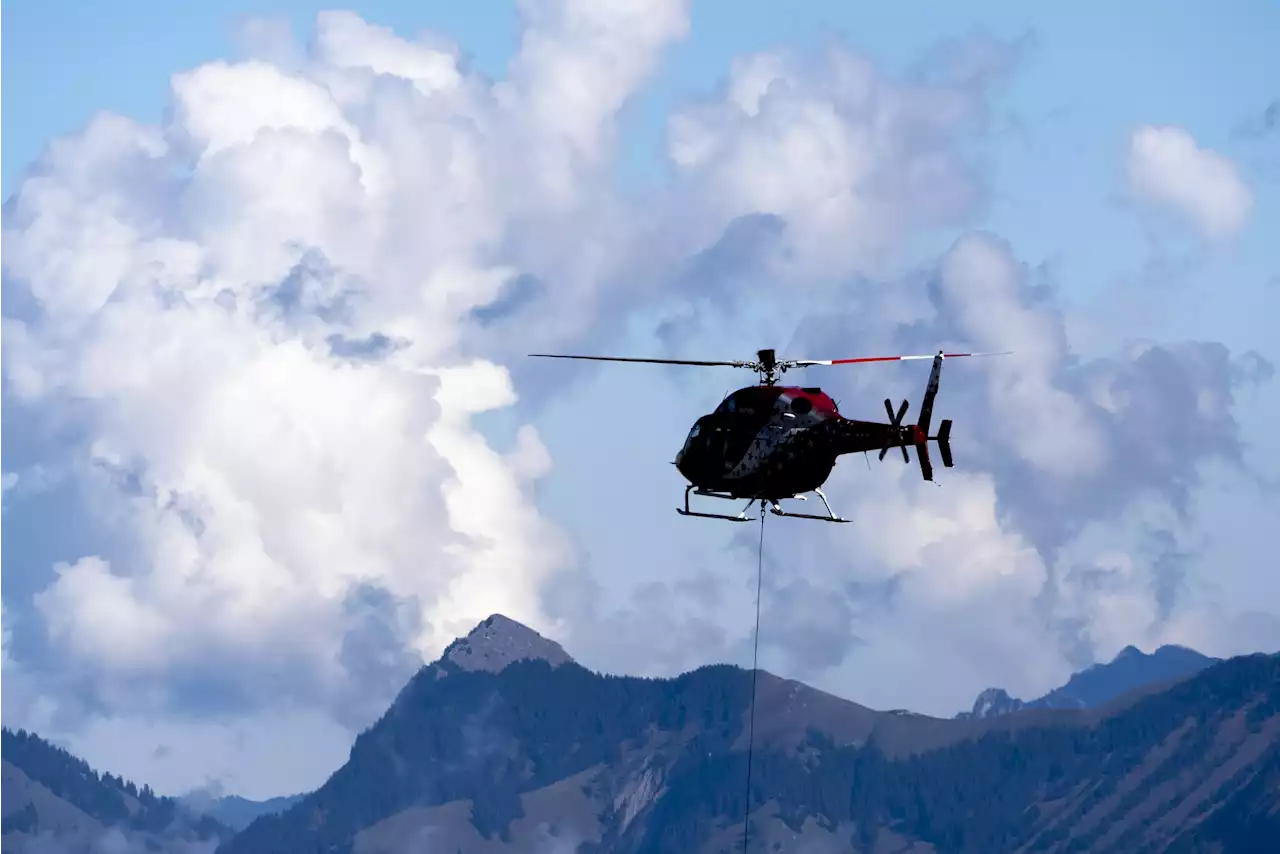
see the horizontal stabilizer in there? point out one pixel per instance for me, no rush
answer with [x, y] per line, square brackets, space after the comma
[944, 441]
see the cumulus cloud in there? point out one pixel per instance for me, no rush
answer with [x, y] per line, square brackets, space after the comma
[852, 160]
[1167, 170]
[1073, 439]
[258, 319]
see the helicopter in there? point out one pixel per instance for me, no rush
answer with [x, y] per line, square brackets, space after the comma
[769, 442]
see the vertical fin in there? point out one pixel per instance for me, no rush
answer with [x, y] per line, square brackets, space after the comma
[930, 392]
[922, 425]
[922, 454]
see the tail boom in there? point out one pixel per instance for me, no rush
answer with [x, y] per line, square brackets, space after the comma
[852, 436]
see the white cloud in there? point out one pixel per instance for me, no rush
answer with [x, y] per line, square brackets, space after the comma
[853, 160]
[1167, 169]
[982, 288]
[5, 635]
[190, 281]
[8, 480]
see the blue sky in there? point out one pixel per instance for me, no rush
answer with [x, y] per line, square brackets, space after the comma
[1052, 164]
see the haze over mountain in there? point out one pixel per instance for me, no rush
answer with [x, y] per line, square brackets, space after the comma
[234, 811]
[55, 803]
[540, 754]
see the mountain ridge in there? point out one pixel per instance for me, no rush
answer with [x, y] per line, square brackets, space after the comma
[1130, 669]
[515, 747]
[540, 753]
[235, 811]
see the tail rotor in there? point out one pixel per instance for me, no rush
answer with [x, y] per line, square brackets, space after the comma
[895, 421]
[918, 434]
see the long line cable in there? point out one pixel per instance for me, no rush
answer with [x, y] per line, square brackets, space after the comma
[755, 670]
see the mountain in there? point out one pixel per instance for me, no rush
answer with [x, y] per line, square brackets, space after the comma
[534, 753]
[54, 801]
[1130, 670]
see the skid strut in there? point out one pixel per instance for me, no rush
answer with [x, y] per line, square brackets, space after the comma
[743, 517]
[830, 517]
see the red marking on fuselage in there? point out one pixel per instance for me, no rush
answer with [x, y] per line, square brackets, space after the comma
[822, 402]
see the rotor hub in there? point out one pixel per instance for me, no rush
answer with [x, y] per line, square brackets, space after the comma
[767, 365]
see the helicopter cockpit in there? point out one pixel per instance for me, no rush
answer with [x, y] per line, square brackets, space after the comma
[746, 401]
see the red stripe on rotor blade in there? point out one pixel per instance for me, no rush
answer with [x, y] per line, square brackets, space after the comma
[900, 358]
[876, 359]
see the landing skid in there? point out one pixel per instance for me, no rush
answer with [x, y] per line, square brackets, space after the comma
[743, 517]
[830, 517]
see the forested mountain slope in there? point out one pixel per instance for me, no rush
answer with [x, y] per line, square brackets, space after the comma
[53, 801]
[535, 754]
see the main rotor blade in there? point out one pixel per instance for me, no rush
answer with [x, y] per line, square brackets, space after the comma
[650, 361]
[804, 363]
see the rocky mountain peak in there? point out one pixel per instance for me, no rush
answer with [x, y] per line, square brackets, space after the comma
[1100, 682]
[993, 702]
[1128, 652]
[498, 641]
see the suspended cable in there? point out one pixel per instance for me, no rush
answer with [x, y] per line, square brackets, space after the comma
[755, 670]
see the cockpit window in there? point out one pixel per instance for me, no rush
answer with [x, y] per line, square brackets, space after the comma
[697, 428]
[742, 401]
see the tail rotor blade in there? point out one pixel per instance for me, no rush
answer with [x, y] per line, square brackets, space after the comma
[895, 419]
[895, 423]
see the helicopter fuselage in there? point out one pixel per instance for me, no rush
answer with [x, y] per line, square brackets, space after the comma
[775, 442]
